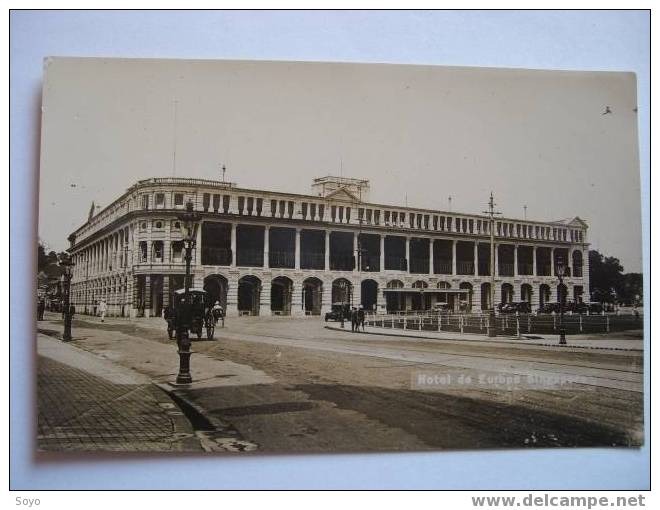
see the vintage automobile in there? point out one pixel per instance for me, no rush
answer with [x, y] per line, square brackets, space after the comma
[515, 307]
[202, 316]
[335, 312]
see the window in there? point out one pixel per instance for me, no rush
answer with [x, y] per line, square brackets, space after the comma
[176, 225]
[273, 207]
[143, 226]
[260, 206]
[145, 201]
[177, 251]
[178, 199]
[206, 201]
[241, 204]
[143, 251]
[250, 205]
[387, 217]
[225, 203]
[158, 224]
[158, 251]
[160, 200]
[304, 210]
[312, 211]
[377, 217]
[321, 211]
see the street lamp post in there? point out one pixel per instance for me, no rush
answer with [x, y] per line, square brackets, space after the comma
[67, 264]
[190, 221]
[562, 297]
[491, 309]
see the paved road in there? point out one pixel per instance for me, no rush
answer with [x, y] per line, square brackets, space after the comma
[292, 385]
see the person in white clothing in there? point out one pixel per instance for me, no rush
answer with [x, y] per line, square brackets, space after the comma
[103, 307]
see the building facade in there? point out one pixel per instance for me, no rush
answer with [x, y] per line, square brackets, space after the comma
[272, 253]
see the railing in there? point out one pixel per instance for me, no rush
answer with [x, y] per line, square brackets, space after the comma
[543, 270]
[312, 260]
[442, 267]
[419, 266]
[342, 262]
[216, 256]
[396, 264]
[282, 259]
[463, 267]
[253, 258]
[505, 269]
[505, 324]
[484, 269]
[370, 263]
[525, 269]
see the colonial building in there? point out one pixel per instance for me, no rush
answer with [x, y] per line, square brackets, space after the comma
[265, 252]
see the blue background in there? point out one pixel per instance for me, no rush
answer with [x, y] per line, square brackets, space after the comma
[583, 40]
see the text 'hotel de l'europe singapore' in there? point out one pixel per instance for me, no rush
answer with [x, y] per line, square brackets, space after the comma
[271, 253]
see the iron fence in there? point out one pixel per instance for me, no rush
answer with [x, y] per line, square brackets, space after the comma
[507, 325]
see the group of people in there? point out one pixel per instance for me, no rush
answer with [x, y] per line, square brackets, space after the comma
[357, 319]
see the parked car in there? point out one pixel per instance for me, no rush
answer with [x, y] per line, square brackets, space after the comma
[335, 312]
[441, 308]
[515, 307]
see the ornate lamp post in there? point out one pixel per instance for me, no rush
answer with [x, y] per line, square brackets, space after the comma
[190, 222]
[67, 264]
[491, 212]
[561, 269]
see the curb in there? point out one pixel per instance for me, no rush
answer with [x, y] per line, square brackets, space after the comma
[514, 341]
[213, 434]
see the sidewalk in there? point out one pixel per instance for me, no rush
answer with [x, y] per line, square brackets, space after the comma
[89, 404]
[613, 341]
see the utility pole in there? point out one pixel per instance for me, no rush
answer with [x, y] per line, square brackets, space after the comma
[491, 310]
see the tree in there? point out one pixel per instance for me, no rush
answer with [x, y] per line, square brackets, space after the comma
[609, 284]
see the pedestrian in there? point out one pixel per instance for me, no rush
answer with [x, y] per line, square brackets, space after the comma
[360, 318]
[103, 308]
[72, 311]
[354, 319]
[41, 306]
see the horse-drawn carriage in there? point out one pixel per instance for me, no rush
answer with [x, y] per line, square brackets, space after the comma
[204, 315]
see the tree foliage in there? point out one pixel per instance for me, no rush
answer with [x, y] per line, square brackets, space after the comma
[608, 282]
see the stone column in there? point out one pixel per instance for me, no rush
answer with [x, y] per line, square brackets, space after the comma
[166, 290]
[264, 298]
[515, 260]
[453, 258]
[382, 253]
[233, 245]
[266, 247]
[297, 300]
[534, 262]
[198, 246]
[147, 295]
[552, 262]
[326, 297]
[297, 266]
[355, 252]
[496, 269]
[431, 268]
[327, 250]
[408, 253]
[476, 267]
[586, 296]
[134, 287]
[232, 294]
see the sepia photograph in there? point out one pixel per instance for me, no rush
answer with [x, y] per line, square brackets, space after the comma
[244, 257]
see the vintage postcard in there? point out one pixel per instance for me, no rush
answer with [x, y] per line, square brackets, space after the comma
[243, 256]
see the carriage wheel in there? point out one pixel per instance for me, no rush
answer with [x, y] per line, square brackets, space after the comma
[210, 330]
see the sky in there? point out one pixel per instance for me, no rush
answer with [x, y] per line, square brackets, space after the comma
[420, 134]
